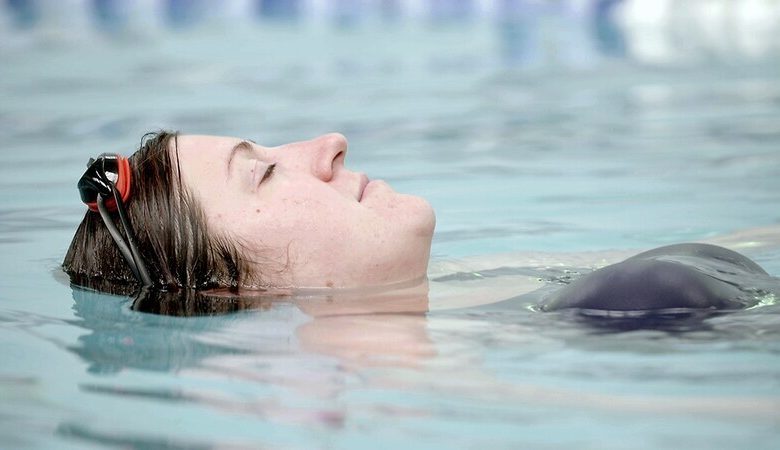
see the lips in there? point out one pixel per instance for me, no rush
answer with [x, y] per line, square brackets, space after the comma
[362, 186]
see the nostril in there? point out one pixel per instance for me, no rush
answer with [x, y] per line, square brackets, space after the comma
[329, 151]
[339, 158]
[332, 164]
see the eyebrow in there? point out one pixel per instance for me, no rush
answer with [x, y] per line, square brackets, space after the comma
[243, 146]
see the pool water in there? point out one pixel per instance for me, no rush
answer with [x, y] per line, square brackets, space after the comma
[550, 131]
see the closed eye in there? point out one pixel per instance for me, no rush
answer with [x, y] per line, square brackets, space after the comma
[268, 172]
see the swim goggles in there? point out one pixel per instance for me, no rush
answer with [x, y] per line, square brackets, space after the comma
[104, 188]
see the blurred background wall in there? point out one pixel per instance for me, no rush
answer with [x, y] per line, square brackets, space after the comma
[649, 31]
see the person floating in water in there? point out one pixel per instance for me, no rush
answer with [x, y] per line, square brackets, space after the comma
[210, 214]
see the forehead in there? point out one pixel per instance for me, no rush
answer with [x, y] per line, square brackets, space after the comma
[203, 163]
[198, 152]
[194, 145]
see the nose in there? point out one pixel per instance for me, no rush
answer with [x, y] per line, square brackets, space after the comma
[327, 154]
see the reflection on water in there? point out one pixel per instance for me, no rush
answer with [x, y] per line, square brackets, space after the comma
[327, 363]
[384, 325]
[118, 339]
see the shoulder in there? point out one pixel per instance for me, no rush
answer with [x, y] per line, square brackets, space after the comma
[483, 279]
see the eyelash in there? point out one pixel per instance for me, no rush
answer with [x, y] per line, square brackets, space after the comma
[268, 172]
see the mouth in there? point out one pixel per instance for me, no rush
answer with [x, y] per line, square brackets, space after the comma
[362, 186]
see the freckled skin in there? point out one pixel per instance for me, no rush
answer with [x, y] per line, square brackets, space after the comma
[306, 225]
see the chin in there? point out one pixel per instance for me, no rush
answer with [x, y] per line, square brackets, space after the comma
[425, 217]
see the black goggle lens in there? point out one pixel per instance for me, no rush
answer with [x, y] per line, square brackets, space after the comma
[99, 177]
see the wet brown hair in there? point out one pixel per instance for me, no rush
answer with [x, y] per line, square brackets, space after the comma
[180, 251]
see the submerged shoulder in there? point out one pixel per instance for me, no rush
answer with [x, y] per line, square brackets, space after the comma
[484, 279]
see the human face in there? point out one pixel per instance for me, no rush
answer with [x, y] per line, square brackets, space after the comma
[308, 221]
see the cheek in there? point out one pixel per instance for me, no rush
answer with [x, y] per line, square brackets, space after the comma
[408, 213]
[225, 216]
[303, 222]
